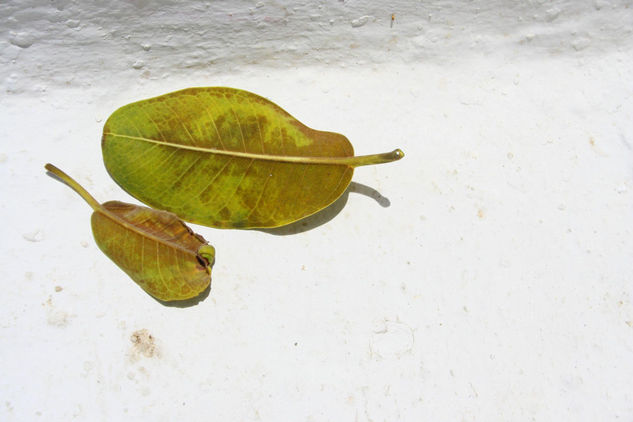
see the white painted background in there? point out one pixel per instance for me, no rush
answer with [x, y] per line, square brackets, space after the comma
[487, 276]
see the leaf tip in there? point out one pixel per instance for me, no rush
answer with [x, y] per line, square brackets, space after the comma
[397, 154]
[206, 253]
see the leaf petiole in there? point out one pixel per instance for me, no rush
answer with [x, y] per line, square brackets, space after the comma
[366, 160]
[76, 186]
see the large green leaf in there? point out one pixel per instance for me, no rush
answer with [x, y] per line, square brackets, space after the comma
[155, 248]
[227, 158]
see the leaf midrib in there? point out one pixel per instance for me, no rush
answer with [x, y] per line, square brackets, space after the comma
[126, 224]
[344, 161]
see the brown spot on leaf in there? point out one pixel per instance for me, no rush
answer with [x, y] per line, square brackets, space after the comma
[225, 214]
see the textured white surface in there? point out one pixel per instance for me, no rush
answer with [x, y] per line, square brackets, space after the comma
[76, 43]
[496, 285]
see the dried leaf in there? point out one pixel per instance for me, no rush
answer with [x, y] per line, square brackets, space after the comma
[227, 158]
[156, 249]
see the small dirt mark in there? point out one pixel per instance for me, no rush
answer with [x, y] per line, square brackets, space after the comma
[143, 344]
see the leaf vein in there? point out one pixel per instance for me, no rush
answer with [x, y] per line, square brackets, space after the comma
[181, 121]
[159, 268]
[230, 198]
[182, 175]
[261, 194]
[338, 184]
[217, 174]
[237, 120]
[261, 137]
[157, 166]
[134, 124]
[336, 160]
[206, 109]
[160, 132]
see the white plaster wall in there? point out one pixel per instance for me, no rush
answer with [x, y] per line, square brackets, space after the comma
[486, 276]
[63, 42]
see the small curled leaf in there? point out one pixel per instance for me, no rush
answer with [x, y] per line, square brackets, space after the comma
[155, 248]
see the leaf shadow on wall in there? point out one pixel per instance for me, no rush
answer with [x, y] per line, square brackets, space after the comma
[328, 213]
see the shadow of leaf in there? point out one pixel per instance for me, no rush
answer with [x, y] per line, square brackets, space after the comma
[383, 201]
[328, 213]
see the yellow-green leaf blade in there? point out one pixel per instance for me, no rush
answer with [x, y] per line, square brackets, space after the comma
[156, 249]
[225, 158]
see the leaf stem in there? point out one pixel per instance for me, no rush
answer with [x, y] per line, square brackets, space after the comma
[366, 160]
[76, 186]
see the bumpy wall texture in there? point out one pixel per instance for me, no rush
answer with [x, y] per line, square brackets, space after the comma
[65, 42]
